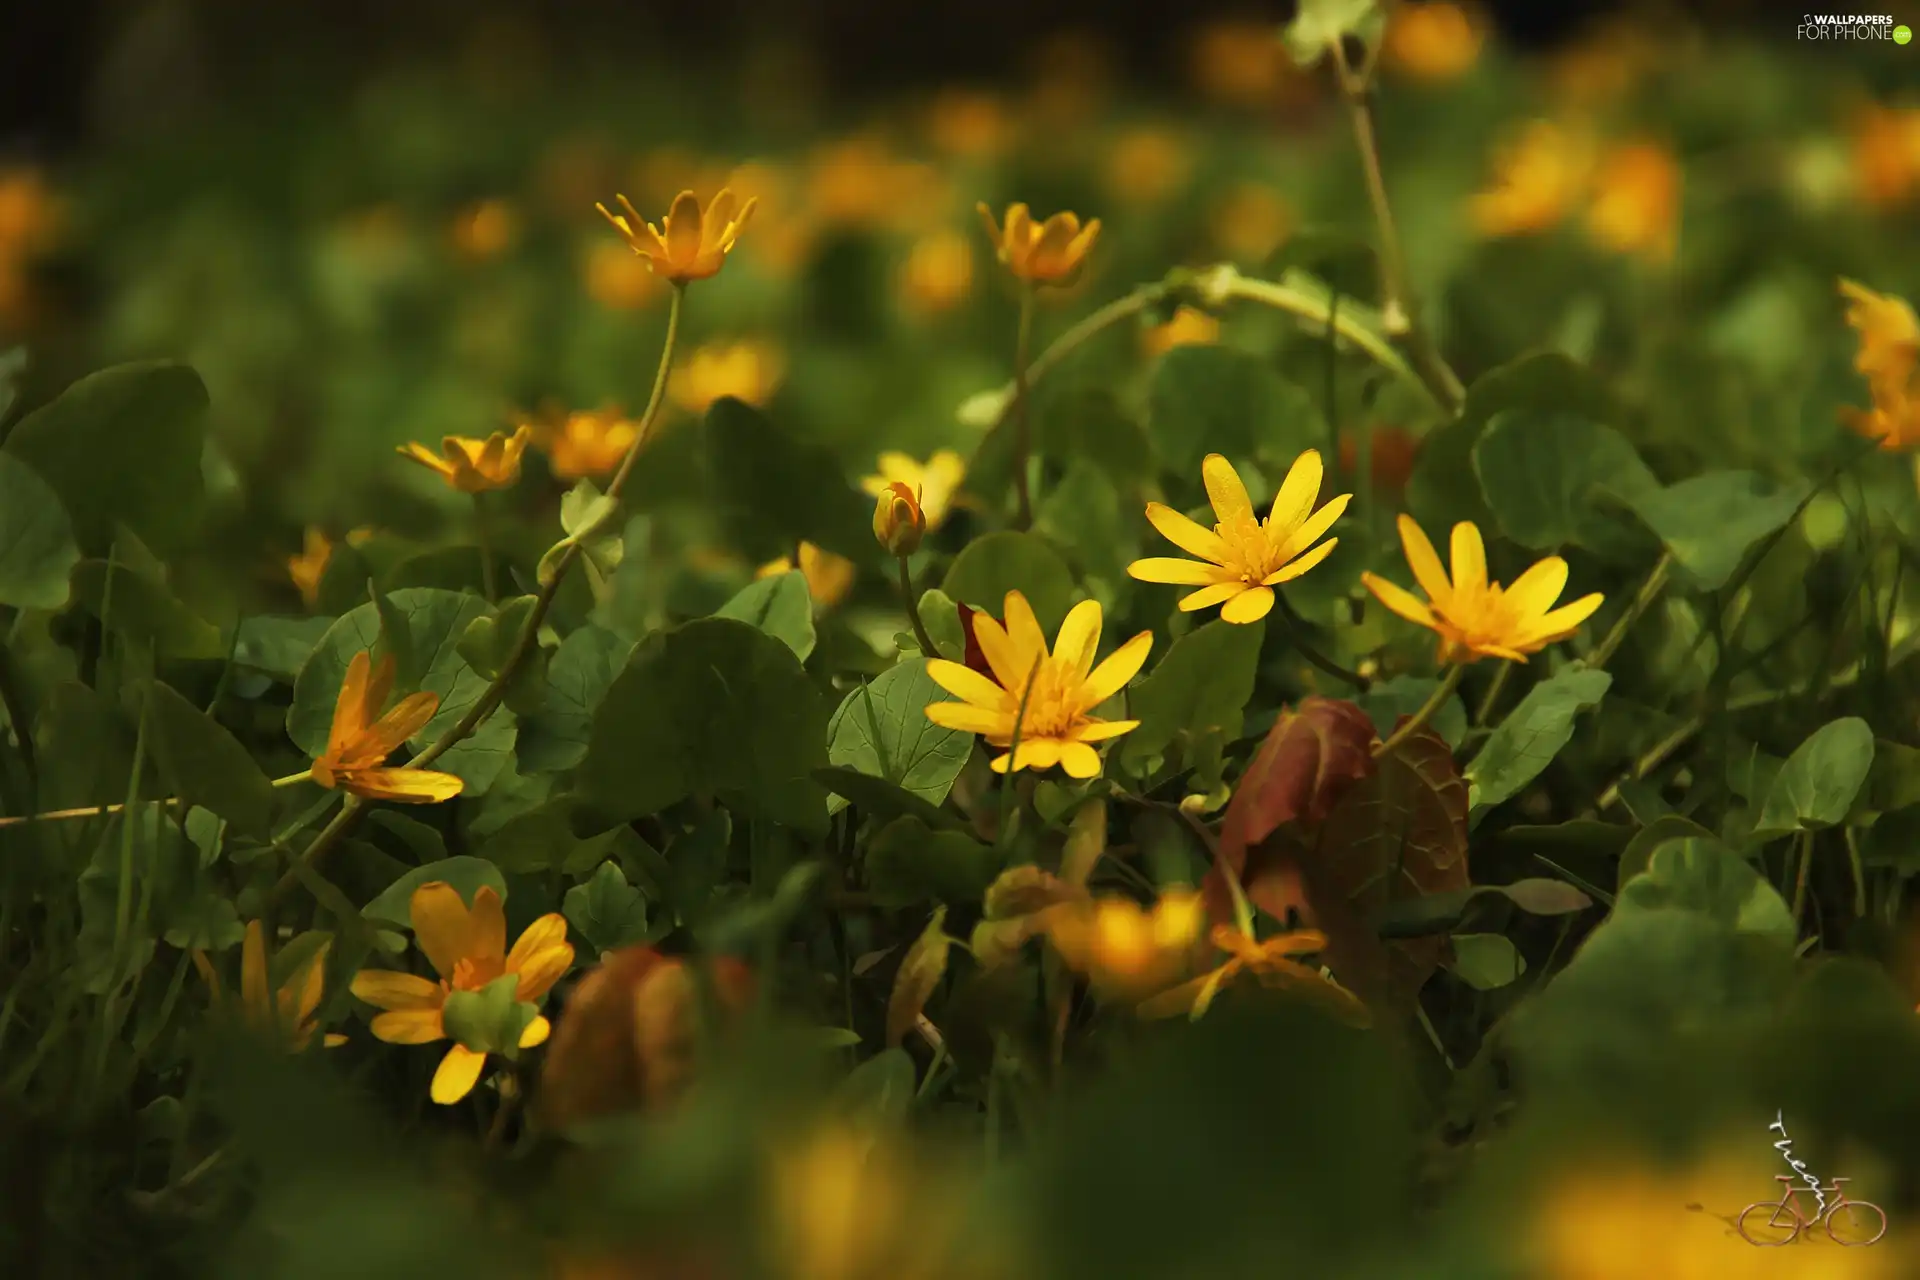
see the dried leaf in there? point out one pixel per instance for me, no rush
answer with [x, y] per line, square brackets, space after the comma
[1023, 890]
[920, 972]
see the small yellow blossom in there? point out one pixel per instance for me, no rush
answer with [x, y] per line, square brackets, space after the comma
[748, 370]
[1124, 949]
[284, 1015]
[474, 466]
[485, 230]
[1050, 252]
[936, 481]
[938, 272]
[829, 577]
[1886, 154]
[1889, 358]
[1271, 965]
[898, 522]
[1538, 179]
[29, 213]
[316, 552]
[616, 278]
[859, 182]
[1242, 558]
[968, 124]
[1435, 42]
[1147, 165]
[362, 738]
[468, 949]
[1473, 617]
[1250, 222]
[1058, 689]
[1604, 66]
[1636, 201]
[1189, 327]
[692, 243]
[588, 444]
[1241, 63]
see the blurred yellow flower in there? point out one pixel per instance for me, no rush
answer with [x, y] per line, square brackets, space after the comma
[284, 1015]
[1250, 222]
[938, 272]
[898, 522]
[616, 278]
[846, 1201]
[1242, 558]
[474, 466]
[587, 443]
[1434, 41]
[361, 738]
[1041, 253]
[1636, 201]
[748, 370]
[1886, 154]
[1189, 327]
[1239, 63]
[310, 566]
[1538, 178]
[29, 212]
[1473, 617]
[1602, 67]
[829, 577]
[1070, 74]
[485, 230]
[691, 243]
[972, 125]
[1057, 690]
[1271, 964]
[468, 949]
[1126, 950]
[936, 481]
[1889, 359]
[1146, 165]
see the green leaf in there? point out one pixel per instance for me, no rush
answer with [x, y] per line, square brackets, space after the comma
[467, 875]
[879, 1090]
[1436, 913]
[1817, 785]
[1710, 521]
[1486, 961]
[908, 862]
[990, 566]
[941, 617]
[205, 765]
[36, 539]
[206, 921]
[490, 1020]
[606, 910]
[1532, 734]
[143, 610]
[1082, 513]
[879, 798]
[1542, 474]
[1705, 876]
[1638, 855]
[882, 729]
[578, 677]
[435, 621]
[1076, 422]
[278, 647]
[778, 489]
[1201, 686]
[779, 605]
[919, 975]
[1206, 398]
[1403, 695]
[1319, 24]
[123, 446]
[716, 708]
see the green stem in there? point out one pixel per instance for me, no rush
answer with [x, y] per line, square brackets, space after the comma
[1013, 754]
[1649, 591]
[1492, 695]
[99, 810]
[1804, 848]
[1296, 632]
[1859, 873]
[484, 533]
[1427, 711]
[1022, 413]
[1283, 297]
[920, 635]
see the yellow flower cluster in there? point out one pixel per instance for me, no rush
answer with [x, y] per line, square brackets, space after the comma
[1631, 190]
[1889, 359]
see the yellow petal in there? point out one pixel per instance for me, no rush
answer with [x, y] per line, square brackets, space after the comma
[349, 705]
[1040, 753]
[403, 786]
[1310, 530]
[442, 925]
[300, 994]
[1101, 730]
[1564, 621]
[964, 682]
[1111, 676]
[1300, 564]
[546, 932]
[1185, 534]
[993, 227]
[542, 969]
[719, 219]
[1080, 760]
[1469, 561]
[408, 717]
[1424, 562]
[997, 647]
[1297, 494]
[488, 923]
[1534, 591]
[1250, 605]
[409, 1026]
[683, 234]
[1398, 599]
[536, 1033]
[1079, 638]
[427, 458]
[1023, 629]
[459, 1071]
[1174, 572]
[389, 989]
[1208, 596]
[1226, 491]
[1082, 244]
[970, 719]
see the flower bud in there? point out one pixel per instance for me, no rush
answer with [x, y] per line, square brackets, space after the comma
[898, 522]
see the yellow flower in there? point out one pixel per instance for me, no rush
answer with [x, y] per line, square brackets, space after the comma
[968, 124]
[898, 521]
[310, 566]
[1636, 201]
[936, 481]
[485, 230]
[829, 577]
[1270, 964]
[938, 272]
[468, 949]
[1123, 948]
[1189, 327]
[1605, 65]
[1250, 222]
[1147, 165]
[1041, 253]
[617, 279]
[691, 243]
[1886, 154]
[1537, 179]
[1058, 689]
[1242, 63]
[29, 213]
[1244, 557]
[286, 1014]
[1889, 358]
[361, 739]
[474, 466]
[588, 443]
[1433, 42]
[750, 370]
[1475, 618]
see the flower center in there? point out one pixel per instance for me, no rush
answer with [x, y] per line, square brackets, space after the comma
[1248, 549]
[1051, 707]
[470, 974]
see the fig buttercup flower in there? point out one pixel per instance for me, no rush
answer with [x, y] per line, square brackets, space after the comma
[1538, 177]
[588, 444]
[1189, 327]
[1050, 252]
[1123, 948]
[898, 521]
[362, 738]
[468, 949]
[474, 466]
[1885, 155]
[748, 370]
[1889, 358]
[316, 552]
[1636, 201]
[1243, 558]
[935, 481]
[691, 243]
[1435, 41]
[938, 272]
[1271, 964]
[284, 1014]
[1473, 617]
[829, 577]
[1059, 689]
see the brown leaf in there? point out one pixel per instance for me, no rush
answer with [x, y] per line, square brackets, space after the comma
[1023, 890]
[975, 656]
[995, 942]
[920, 972]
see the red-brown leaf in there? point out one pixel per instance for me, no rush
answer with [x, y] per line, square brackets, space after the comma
[975, 656]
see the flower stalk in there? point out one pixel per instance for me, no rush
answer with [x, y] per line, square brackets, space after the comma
[1023, 413]
[1428, 709]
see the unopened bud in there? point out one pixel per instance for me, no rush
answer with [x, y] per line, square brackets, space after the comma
[898, 522]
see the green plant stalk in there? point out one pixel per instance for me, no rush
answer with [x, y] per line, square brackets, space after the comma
[1296, 632]
[484, 533]
[1859, 873]
[1803, 848]
[1013, 754]
[1649, 591]
[1492, 695]
[98, 810]
[1428, 709]
[1023, 413]
[529, 638]
[920, 635]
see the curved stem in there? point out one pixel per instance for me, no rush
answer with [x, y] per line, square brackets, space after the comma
[1649, 590]
[1294, 302]
[920, 635]
[1492, 695]
[1022, 413]
[1427, 711]
[1296, 632]
[485, 536]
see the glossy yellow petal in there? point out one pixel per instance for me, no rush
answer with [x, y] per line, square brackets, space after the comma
[683, 233]
[1299, 565]
[1310, 530]
[1039, 753]
[1101, 730]
[383, 738]
[1469, 555]
[487, 921]
[1425, 562]
[403, 786]
[993, 227]
[427, 458]
[964, 682]
[458, 1072]
[349, 707]
[1206, 597]
[1296, 497]
[300, 994]
[442, 926]
[970, 719]
[1082, 244]
[536, 1033]
[546, 932]
[1534, 591]
[1250, 605]
[1226, 491]
[544, 968]
[1080, 760]
[1023, 629]
[1565, 620]
[1078, 638]
[1111, 676]
[1171, 571]
[409, 1026]
[997, 647]
[390, 989]
[1398, 599]
[1185, 534]
[717, 226]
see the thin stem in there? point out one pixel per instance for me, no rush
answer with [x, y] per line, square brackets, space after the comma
[1399, 310]
[1804, 848]
[1649, 590]
[329, 836]
[1013, 752]
[1427, 711]
[1292, 301]
[1859, 873]
[1492, 695]
[1296, 632]
[920, 635]
[100, 810]
[485, 535]
[1022, 413]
